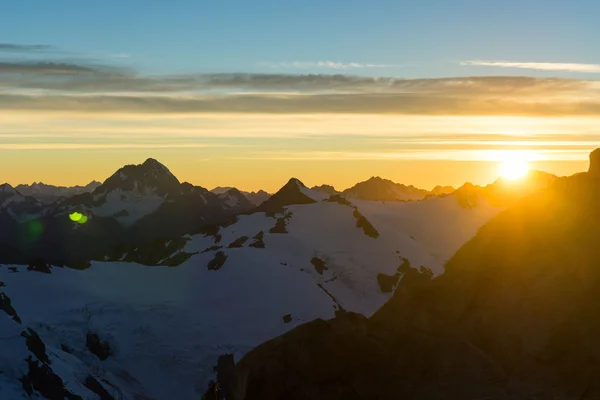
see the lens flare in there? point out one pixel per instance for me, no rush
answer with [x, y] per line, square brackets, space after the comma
[78, 217]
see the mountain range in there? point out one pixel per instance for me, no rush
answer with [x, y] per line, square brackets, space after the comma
[135, 204]
[49, 193]
[140, 287]
[514, 316]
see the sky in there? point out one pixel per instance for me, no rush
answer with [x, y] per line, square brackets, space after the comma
[250, 93]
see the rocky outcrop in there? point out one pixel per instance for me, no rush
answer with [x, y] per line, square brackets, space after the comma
[97, 346]
[218, 261]
[595, 163]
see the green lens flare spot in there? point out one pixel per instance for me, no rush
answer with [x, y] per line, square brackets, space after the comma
[82, 220]
[76, 217]
[35, 228]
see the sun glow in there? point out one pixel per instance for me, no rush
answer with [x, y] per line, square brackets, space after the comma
[513, 166]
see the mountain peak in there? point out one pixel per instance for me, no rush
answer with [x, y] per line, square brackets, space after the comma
[379, 189]
[327, 189]
[293, 192]
[150, 175]
[154, 166]
[595, 162]
[295, 181]
[5, 188]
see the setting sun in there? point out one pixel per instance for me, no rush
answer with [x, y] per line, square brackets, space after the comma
[513, 167]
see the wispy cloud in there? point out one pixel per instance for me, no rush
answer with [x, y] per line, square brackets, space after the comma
[542, 66]
[24, 48]
[100, 146]
[441, 153]
[265, 103]
[326, 65]
[95, 87]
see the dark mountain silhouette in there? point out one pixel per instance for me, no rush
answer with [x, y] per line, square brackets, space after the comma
[255, 198]
[513, 317]
[502, 192]
[290, 193]
[379, 189]
[221, 189]
[49, 193]
[327, 189]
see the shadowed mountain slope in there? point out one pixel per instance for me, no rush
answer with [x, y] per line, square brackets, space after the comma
[513, 317]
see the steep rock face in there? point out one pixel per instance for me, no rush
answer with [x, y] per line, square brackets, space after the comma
[595, 163]
[513, 317]
[378, 189]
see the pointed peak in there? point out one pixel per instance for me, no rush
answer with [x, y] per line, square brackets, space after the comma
[149, 175]
[8, 190]
[155, 164]
[151, 161]
[295, 181]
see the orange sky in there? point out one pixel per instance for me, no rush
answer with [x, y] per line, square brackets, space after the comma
[262, 151]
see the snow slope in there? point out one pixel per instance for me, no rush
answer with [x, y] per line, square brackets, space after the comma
[128, 207]
[167, 326]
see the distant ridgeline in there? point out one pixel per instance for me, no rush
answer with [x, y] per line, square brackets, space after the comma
[142, 205]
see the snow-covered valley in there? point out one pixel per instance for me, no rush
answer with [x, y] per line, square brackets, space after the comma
[253, 280]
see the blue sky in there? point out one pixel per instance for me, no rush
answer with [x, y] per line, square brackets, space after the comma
[248, 93]
[425, 38]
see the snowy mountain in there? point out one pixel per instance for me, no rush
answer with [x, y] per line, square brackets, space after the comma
[15, 207]
[514, 316]
[136, 204]
[378, 189]
[165, 297]
[303, 255]
[49, 193]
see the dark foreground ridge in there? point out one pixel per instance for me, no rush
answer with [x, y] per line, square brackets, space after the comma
[515, 316]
